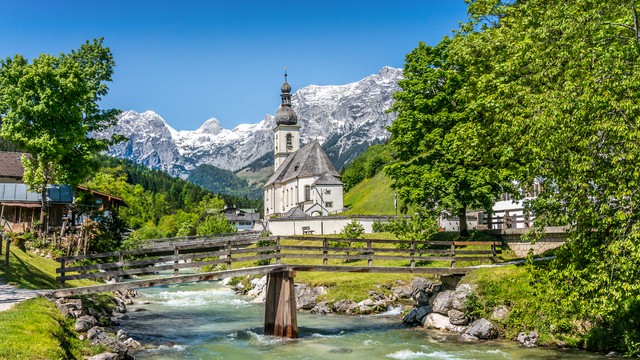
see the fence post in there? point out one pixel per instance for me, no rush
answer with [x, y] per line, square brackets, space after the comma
[370, 261]
[121, 260]
[176, 252]
[62, 273]
[6, 252]
[493, 252]
[453, 254]
[325, 251]
[412, 246]
[228, 254]
[277, 249]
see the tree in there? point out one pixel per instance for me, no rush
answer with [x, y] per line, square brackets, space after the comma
[561, 80]
[444, 158]
[50, 107]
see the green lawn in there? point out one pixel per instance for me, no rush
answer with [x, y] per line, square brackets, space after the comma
[30, 271]
[371, 197]
[35, 329]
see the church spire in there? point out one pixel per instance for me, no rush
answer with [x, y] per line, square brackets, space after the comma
[285, 114]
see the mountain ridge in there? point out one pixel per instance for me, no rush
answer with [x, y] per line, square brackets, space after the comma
[347, 118]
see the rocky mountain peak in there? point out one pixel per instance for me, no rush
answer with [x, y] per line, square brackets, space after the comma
[344, 118]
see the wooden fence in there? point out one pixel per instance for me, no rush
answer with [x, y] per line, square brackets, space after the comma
[312, 249]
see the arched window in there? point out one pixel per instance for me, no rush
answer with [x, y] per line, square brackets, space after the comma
[289, 141]
[307, 193]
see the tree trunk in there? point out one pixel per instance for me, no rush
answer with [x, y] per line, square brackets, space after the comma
[462, 215]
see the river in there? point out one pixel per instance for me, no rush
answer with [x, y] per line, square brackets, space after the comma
[209, 321]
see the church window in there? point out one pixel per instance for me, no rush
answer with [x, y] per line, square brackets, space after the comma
[329, 204]
[289, 141]
[327, 192]
[307, 193]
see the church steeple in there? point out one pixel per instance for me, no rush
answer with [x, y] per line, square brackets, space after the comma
[287, 131]
[285, 114]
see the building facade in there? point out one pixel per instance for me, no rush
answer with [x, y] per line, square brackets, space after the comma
[304, 178]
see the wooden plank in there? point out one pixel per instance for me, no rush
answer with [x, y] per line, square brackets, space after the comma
[382, 269]
[215, 275]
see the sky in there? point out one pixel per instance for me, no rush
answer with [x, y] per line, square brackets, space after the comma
[192, 60]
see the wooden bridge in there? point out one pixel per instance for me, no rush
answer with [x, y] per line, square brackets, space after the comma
[253, 256]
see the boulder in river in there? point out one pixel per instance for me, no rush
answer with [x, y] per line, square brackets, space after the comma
[442, 303]
[482, 329]
[528, 339]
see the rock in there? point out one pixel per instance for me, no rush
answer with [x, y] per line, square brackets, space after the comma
[483, 329]
[140, 310]
[402, 291]
[458, 300]
[441, 322]
[366, 302]
[131, 343]
[85, 323]
[105, 356]
[500, 313]
[468, 338]
[345, 306]
[94, 331]
[121, 334]
[226, 281]
[113, 344]
[449, 282]
[321, 308]
[257, 286]
[422, 312]
[306, 296]
[420, 283]
[81, 337]
[442, 302]
[457, 317]
[528, 339]
[410, 318]
[363, 309]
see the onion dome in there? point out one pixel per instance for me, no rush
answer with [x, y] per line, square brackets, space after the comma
[285, 114]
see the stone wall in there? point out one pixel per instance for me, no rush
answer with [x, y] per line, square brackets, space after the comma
[553, 237]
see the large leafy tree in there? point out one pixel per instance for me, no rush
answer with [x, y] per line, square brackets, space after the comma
[49, 108]
[444, 158]
[562, 78]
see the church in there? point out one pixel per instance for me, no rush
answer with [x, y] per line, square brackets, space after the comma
[304, 181]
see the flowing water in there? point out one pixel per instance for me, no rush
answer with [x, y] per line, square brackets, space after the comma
[209, 321]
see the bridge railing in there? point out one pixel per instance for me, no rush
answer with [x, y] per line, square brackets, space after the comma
[316, 251]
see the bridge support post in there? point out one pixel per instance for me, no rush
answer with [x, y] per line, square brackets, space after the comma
[280, 308]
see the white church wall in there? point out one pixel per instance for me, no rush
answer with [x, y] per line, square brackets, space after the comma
[321, 225]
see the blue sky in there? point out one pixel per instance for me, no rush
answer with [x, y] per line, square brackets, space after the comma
[193, 60]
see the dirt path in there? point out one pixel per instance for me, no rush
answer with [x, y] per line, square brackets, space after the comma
[10, 295]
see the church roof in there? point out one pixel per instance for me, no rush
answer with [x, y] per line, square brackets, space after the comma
[327, 179]
[309, 161]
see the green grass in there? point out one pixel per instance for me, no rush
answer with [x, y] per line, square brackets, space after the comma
[30, 271]
[371, 197]
[35, 329]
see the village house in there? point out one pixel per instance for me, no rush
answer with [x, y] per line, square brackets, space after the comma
[243, 219]
[20, 208]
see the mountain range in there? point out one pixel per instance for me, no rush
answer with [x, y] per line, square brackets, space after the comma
[346, 119]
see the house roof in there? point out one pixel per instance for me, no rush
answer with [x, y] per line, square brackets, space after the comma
[19, 193]
[309, 161]
[10, 165]
[115, 199]
[242, 216]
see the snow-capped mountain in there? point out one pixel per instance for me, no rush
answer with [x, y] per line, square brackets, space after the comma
[343, 118]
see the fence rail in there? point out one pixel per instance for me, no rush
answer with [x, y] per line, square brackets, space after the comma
[229, 250]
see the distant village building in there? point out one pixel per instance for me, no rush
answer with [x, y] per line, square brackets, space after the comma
[304, 178]
[243, 219]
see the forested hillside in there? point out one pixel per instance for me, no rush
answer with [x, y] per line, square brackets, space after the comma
[222, 181]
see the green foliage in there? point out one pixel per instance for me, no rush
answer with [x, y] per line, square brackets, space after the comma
[352, 230]
[419, 227]
[561, 101]
[365, 166]
[265, 243]
[443, 150]
[50, 107]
